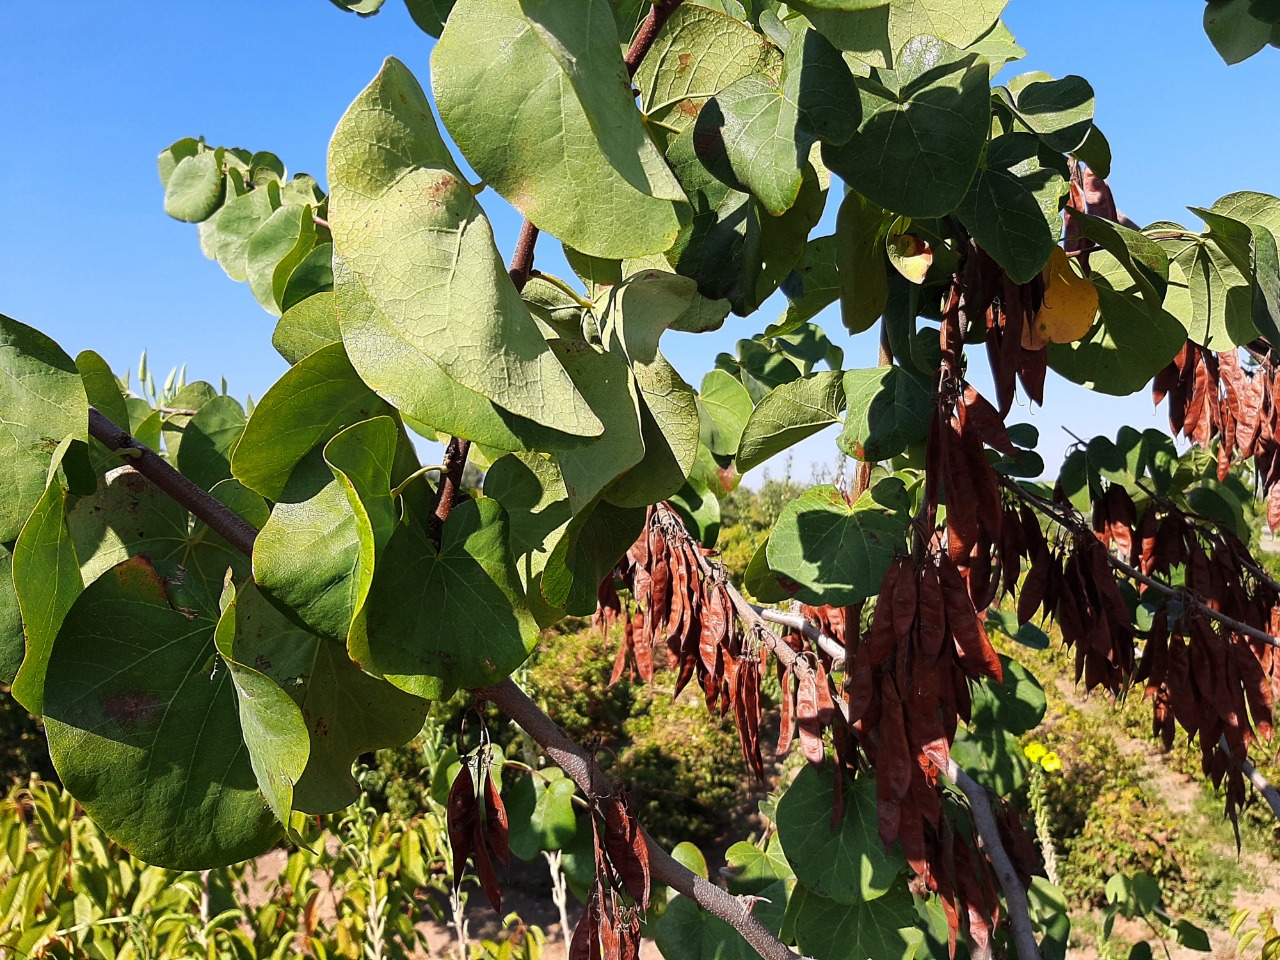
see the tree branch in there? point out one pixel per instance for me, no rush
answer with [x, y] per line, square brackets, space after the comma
[1260, 783]
[569, 756]
[751, 618]
[455, 461]
[797, 622]
[659, 14]
[1015, 894]
[522, 260]
[581, 768]
[1076, 526]
[220, 518]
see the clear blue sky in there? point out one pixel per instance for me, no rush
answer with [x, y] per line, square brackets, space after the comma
[90, 92]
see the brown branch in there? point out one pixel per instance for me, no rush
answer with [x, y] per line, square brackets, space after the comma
[569, 756]
[455, 461]
[659, 14]
[522, 260]
[578, 764]
[1015, 894]
[1065, 519]
[220, 518]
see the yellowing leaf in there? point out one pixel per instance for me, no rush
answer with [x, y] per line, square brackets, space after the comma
[1070, 304]
[910, 255]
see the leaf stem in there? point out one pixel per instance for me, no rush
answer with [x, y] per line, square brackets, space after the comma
[420, 472]
[561, 286]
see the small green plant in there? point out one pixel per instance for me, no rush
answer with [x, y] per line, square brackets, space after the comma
[1138, 897]
[1261, 936]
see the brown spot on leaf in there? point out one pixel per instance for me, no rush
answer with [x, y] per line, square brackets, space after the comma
[130, 709]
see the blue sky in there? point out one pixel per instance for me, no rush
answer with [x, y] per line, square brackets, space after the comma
[90, 92]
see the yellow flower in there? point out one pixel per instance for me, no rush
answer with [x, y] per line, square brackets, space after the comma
[1035, 751]
[1051, 762]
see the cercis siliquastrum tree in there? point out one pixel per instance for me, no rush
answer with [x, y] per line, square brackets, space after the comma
[216, 612]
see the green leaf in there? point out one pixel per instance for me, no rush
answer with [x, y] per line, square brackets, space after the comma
[1188, 935]
[273, 728]
[761, 582]
[419, 387]
[726, 407]
[141, 715]
[101, 387]
[551, 124]
[174, 154]
[431, 268]
[993, 757]
[884, 929]
[540, 810]
[638, 312]
[276, 247]
[12, 639]
[1141, 257]
[1059, 112]
[611, 390]
[756, 133]
[207, 441]
[790, 413]
[811, 287]
[860, 261]
[592, 544]
[129, 516]
[888, 411]
[346, 712]
[848, 865]
[316, 554]
[1129, 343]
[532, 491]
[1016, 704]
[453, 618]
[1007, 221]
[959, 24]
[752, 869]
[311, 275]
[923, 130]
[43, 399]
[698, 53]
[46, 581]
[1236, 32]
[430, 15]
[195, 188]
[306, 327]
[700, 510]
[235, 224]
[1049, 911]
[862, 34]
[837, 553]
[304, 409]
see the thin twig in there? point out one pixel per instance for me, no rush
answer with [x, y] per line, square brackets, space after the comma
[569, 756]
[582, 769]
[1076, 526]
[220, 518]
[175, 411]
[1015, 894]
